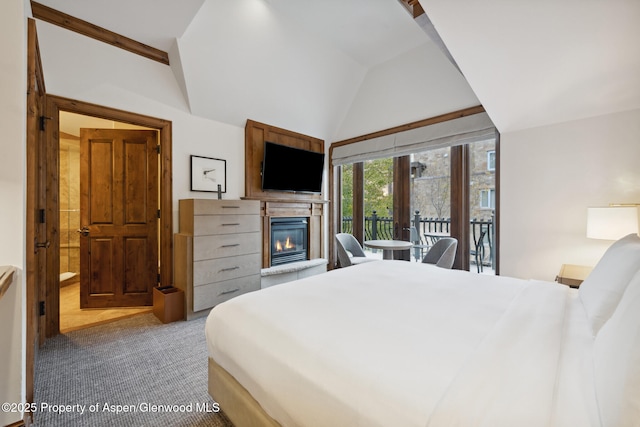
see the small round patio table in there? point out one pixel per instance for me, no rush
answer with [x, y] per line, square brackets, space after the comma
[388, 246]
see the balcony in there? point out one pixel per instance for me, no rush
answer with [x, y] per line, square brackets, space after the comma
[481, 231]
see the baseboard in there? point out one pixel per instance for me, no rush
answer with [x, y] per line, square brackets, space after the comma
[20, 423]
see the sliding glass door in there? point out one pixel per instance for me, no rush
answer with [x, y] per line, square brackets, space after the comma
[430, 178]
[424, 180]
[482, 205]
[425, 196]
[367, 201]
[435, 177]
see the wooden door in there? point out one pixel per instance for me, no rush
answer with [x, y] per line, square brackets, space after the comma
[118, 217]
[37, 236]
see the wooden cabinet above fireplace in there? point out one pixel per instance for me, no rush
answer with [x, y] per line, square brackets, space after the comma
[282, 204]
[255, 136]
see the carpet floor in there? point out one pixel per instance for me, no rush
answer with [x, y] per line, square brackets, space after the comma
[136, 371]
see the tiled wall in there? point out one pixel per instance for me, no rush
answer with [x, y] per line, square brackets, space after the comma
[69, 205]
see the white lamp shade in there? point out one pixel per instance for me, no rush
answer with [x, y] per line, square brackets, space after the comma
[612, 222]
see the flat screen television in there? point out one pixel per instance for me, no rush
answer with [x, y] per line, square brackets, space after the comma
[287, 168]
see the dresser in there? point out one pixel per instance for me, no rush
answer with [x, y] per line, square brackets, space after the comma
[217, 251]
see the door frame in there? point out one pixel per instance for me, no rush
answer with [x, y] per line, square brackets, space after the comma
[35, 165]
[56, 104]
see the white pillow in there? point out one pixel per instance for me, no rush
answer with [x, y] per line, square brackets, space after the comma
[616, 357]
[603, 288]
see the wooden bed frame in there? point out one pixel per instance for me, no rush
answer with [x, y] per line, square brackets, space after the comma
[235, 401]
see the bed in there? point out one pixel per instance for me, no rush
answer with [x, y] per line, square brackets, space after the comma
[395, 343]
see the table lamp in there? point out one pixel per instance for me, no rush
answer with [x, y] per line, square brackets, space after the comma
[612, 222]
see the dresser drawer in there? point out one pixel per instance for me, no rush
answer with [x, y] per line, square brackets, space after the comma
[224, 207]
[207, 296]
[206, 225]
[220, 269]
[226, 245]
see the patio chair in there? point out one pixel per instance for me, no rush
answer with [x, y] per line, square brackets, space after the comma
[349, 250]
[442, 253]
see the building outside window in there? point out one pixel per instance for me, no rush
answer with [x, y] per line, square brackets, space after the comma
[491, 160]
[488, 199]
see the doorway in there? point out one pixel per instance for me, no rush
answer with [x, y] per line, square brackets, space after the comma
[72, 316]
[57, 110]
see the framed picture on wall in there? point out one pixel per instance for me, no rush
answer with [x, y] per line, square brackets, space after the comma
[207, 173]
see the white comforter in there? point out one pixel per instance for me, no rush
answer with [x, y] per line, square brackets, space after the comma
[395, 343]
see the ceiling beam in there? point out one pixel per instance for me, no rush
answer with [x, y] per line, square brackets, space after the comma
[413, 6]
[415, 9]
[88, 29]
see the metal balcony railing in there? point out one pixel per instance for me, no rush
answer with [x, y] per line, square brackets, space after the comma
[482, 234]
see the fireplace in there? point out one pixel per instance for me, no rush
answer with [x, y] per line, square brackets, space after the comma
[288, 240]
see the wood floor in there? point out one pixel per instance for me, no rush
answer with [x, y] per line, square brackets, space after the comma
[73, 318]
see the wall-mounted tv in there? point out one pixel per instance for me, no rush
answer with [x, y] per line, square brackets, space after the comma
[291, 169]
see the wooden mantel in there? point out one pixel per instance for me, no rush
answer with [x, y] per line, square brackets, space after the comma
[280, 203]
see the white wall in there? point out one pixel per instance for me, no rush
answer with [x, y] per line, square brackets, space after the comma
[549, 176]
[11, 353]
[13, 127]
[418, 84]
[12, 196]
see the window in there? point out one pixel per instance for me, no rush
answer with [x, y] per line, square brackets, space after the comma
[491, 160]
[347, 199]
[430, 191]
[442, 180]
[488, 199]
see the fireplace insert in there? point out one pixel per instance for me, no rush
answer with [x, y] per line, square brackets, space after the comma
[288, 240]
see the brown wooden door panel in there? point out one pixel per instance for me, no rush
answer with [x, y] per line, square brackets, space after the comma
[137, 259]
[119, 203]
[139, 179]
[101, 266]
[101, 179]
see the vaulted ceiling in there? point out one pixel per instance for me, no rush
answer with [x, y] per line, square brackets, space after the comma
[340, 68]
[536, 63]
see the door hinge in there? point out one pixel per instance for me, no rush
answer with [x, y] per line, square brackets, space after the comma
[42, 218]
[43, 122]
[41, 308]
[158, 213]
[158, 148]
[158, 277]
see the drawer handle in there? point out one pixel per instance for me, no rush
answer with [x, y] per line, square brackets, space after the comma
[229, 291]
[230, 268]
[231, 207]
[231, 246]
[233, 223]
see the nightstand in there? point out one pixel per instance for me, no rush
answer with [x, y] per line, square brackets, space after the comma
[573, 275]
